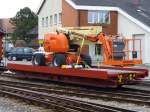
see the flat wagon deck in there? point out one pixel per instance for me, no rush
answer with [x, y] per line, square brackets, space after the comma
[97, 76]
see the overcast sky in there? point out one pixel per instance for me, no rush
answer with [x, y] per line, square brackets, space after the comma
[9, 8]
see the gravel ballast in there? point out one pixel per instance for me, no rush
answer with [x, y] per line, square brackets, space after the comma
[8, 104]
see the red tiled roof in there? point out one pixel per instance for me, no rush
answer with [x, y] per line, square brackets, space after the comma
[6, 25]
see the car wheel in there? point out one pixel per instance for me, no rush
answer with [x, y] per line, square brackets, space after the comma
[14, 58]
[9, 58]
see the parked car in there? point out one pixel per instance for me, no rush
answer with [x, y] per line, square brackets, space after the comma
[7, 51]
[20, 53]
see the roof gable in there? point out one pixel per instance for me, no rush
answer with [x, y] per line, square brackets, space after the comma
[136, 10]
[41, 6]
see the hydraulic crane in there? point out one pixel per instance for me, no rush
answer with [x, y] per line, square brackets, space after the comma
[57, 47]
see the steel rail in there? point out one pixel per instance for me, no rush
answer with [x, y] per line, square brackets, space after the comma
[73, 104]
[137, 98]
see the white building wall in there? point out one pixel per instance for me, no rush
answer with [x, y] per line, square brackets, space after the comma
[129, 28]
[50, 8]
[96, 59]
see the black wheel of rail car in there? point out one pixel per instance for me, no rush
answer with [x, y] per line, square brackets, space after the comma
[59, 60]
[119, 86]
[38, 60]
[86, 59]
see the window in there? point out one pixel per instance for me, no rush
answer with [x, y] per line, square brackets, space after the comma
[20, 50]
[51, 20]
[13, 50]
[55, 19]
[60, 16]
[98, 49]
[42, 22]
[101, 17]
[28, 50]
[46, 21]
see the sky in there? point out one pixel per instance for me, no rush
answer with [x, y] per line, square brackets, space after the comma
[9, 8]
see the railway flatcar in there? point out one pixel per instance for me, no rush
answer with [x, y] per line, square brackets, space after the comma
[102, 76]
[58, 64]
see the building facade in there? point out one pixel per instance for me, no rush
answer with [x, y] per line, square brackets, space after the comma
[49, 16]
[128, 18]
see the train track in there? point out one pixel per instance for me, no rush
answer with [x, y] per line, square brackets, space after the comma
[140, 97]
[2, 69]
[145, 83]
[60, 103]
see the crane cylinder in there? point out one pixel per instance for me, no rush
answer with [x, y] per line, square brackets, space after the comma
[56, 42]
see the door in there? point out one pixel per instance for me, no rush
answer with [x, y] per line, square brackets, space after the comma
[20, 53]
[137, 46]
[96, 53]
[28, 52]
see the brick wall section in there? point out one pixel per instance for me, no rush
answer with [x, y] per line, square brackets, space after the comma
[70, 18]
[110, 28]
[69, 15]
[113, 26]
[83, 18]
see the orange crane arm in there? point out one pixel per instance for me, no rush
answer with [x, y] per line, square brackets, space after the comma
[101, 38]
[93, 38]
[106, 45]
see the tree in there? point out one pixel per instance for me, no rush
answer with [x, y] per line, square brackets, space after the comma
[23, 22]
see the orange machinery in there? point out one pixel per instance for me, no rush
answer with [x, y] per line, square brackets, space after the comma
[57, 47]
[117, 51]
